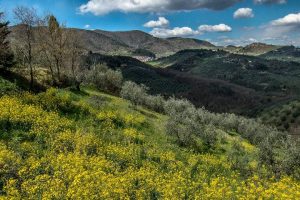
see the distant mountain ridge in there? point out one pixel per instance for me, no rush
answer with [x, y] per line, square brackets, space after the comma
[140, 40]
[127, 42]
[257, 48]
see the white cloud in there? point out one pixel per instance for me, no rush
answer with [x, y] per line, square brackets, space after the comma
[161, 22]
[87, 26]
[101, 7]
[176, 32]
[282, 30]
[243, 13]
[270, 1]
[288, 20]
[187, 31]
[215, 28]
[252, 40]
[225, 41]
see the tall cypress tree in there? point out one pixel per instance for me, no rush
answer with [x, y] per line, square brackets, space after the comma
[6, 56]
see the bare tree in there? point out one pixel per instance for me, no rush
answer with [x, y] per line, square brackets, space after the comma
[28, 18]
[45, 54]
[75, 50]
[57, 43]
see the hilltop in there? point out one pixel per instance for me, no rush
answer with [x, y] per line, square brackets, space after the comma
[257, 49]
[287, 53]
[126, 42]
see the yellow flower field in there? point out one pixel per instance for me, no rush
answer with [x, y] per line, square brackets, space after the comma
[113, 154]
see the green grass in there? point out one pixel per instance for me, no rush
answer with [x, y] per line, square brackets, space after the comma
[7, 87]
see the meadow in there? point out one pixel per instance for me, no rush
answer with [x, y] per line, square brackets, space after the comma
[90, 145]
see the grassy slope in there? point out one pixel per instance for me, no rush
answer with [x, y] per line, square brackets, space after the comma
[112, 150]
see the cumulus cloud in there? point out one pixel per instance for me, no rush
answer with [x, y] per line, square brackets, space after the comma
[101, 7]
[225, 41]
[175, 32]
[187, 31]
[288, 20]
[288, 26]
[215, 28]
[87, 26]
[243, 13]
[161, 22]
[270, 1]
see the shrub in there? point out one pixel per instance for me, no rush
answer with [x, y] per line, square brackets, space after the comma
[155, 103]
[7, 87]
[105, 79]
[187, 125]
[182, 120]
[239, 158]
[136, 94]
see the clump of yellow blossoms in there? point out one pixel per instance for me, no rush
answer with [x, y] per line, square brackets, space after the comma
[44, 155]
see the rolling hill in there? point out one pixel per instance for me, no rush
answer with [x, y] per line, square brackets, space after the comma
[214, 94]
[268, 76]
[201, 72]
[286, 53]
[275, 80]
[126, 42]
[257, 49]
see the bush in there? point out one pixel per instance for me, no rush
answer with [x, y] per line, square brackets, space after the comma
[136, 94]
[7, 87]
[239, 159]
[155, 103]
[186, 123]
[181, 122]
[105, 79]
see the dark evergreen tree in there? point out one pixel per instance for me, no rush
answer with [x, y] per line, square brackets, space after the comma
[6, 56]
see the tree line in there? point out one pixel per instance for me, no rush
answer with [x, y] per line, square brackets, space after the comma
[41, 42]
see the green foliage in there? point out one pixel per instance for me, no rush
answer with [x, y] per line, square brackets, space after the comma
[105, 79]
[286, 117]
[6, 56]
[7, 87]
[196, 128]
[135, 93]
[184, 123]
[138, 96]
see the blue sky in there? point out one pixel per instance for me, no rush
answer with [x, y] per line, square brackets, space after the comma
[270, 21]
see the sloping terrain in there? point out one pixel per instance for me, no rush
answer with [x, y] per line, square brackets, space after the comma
[268, 76]
[287, 53]
[257, 49]
[272, 80]
[159, 46]
[285, 117]
[90, 145]
[213, 94]
[126, 42]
